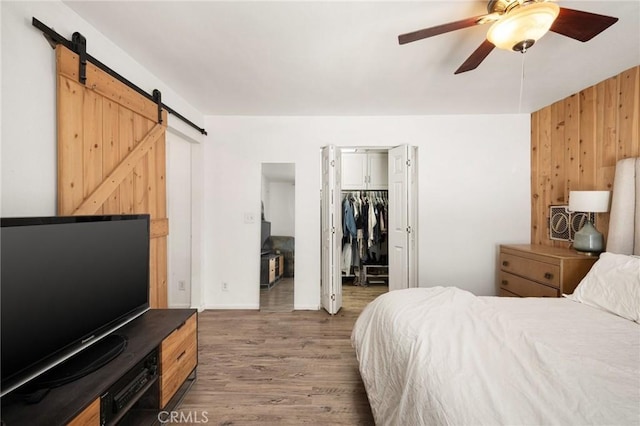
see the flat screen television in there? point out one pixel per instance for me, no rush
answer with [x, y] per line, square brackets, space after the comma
[66, 284]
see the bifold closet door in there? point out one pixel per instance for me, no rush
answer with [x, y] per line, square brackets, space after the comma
[111, 156]
[331, 221]
[403, 218]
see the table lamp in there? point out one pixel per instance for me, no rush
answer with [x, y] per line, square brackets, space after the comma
[588, 240]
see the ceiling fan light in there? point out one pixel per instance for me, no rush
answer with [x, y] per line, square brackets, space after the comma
[523, 26]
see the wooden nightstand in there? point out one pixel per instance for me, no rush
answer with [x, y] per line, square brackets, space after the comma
[527, 270]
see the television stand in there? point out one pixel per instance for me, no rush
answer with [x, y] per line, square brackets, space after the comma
[168, 334]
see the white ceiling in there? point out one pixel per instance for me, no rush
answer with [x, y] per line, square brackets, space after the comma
[343, 58]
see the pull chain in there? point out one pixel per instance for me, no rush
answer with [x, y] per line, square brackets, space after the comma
[521, 85]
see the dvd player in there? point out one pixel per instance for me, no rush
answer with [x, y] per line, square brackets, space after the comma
[129, 388]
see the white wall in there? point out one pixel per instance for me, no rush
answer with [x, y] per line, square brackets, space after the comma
[474, 176]
[282, 208]
[179, 210]
[28, 144]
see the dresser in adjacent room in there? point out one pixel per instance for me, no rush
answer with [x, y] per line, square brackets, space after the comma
[271, 269]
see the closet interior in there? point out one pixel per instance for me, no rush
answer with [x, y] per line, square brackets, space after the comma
[364, 216]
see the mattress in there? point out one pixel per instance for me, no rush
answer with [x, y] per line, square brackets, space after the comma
[442, 356]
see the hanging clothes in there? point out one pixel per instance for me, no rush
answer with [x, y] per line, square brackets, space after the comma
[347, 258]
[379, 248]
[372, 222]
[348, 219]
[349, 234]
[364, 225]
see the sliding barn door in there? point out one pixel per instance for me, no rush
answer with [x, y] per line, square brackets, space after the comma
[111, 156]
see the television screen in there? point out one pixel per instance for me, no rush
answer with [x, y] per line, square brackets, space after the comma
[65, 283]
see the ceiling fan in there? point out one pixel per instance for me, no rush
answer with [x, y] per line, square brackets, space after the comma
[517, 25]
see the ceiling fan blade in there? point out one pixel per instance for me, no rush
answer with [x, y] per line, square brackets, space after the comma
[441, 29]
[580, 25]
[476, 57]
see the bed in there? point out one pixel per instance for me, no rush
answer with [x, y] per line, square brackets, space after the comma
[442, 356]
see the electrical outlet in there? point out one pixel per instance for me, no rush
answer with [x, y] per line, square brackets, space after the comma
[181, 285]
[225, 286]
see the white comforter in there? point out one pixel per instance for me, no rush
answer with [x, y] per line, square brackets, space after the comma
[433, 356]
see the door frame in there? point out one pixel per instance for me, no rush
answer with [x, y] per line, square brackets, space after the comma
[328, 278]
[180, 207]
[279, 172]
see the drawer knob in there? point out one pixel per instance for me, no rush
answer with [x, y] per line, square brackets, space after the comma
[181, 355]
[548, 275]
[505, 263]
[505, 282]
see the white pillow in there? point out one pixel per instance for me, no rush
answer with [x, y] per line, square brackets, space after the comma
[612, 284]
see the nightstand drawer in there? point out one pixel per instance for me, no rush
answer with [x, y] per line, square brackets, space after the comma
[505, 293]
[524, 287]
[532, 269]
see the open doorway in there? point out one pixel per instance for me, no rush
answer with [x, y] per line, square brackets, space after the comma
[365, 208]
[277, 237]
[385, 180]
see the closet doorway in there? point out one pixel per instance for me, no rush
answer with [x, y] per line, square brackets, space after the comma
[369, 222]
[277, 237]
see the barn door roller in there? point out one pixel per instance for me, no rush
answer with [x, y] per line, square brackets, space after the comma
[157, 97]
[78, 44]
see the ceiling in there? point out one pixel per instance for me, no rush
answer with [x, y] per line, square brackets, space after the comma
[343, 58]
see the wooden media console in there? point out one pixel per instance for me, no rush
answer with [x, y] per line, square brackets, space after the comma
[151, 375]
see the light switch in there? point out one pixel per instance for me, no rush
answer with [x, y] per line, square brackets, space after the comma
[249, 217]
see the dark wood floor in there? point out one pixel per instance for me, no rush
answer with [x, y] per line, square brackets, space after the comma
[278, 298]
[280, 368]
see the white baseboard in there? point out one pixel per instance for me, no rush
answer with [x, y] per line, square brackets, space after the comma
[230, 307]
[254, 307]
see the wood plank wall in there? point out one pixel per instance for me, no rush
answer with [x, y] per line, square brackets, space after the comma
[575, 144]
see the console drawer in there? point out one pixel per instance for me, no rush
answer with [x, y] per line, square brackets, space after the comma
[178, 357]
[90, 416]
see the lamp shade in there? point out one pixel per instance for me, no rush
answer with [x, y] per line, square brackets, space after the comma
[589, 201]
[523, 26]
